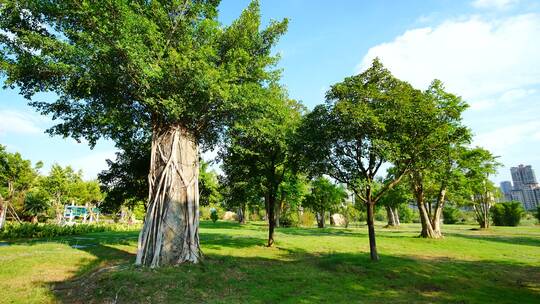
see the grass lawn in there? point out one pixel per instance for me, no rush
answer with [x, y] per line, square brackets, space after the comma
[307, 265]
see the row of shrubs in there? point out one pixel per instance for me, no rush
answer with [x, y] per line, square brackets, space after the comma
[307, 218]
[502, 214]
[29, 230]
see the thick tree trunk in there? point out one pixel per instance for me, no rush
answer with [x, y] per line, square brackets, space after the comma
[437, 214]
[428, 230]
[170, 234]
[332, 222]
[371, 231]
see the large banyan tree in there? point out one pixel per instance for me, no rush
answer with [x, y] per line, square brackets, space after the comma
[124, 68]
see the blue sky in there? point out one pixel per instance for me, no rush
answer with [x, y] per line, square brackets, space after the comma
[487, 51]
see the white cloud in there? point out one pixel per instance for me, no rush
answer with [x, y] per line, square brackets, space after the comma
[15, 122]
[502, 139]
[508, 97]
[494, 64]
[475, 58]
[516, 94]
[494, 4]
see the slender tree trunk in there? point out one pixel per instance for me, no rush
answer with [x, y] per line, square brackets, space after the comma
[59, 210]
[3, 211]
[371, 230]
[320, 219]
[278, 214]
[482, 214]
[396, 216]
[271, 219]
[170, 234]
[242, 214]
[391, 216]
[486, 215]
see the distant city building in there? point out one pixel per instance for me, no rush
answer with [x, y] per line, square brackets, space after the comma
[525, 188]
[523, 175]
[506, 189]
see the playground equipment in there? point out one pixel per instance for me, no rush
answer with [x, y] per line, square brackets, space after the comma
[85, 213]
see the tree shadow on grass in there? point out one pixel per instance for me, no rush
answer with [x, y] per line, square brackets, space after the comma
[329, 231]
[295, 276]
[232, 225]
[217, 240]
[514, 240]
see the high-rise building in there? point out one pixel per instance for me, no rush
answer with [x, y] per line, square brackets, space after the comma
[525, 190]
[506, 189]
[523, 175]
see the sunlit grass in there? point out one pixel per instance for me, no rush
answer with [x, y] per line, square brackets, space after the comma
[307, 265]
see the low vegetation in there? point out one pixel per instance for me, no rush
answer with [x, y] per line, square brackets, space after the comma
[29, 230]
[507, 214]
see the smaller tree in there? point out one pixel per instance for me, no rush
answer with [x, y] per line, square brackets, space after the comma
[257, 148]
[36, 203]
[213, 214]
[125, 182]
[61, 186]
[17, 176]
[478, 165]
[507, 214]
[366, 122]
[537, 214]
[324, 196]
[291, 192]
[208, 186]
[393, 200]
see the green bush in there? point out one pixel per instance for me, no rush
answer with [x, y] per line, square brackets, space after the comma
[205, 212]
[380, 215]
[214, 214]
[254, 216]
[451, 215]
[139, 211]
[507, 214]
[288, 220]
[350, 213]
[406, 214]
[29, 230]
[537, 214]
[306, 219]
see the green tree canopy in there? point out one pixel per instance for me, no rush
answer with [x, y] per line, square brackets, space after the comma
[123, 69]
[480, 192]
[368, 120]
[324, 196]
[17, 176]
[258, 145]
[434, 167]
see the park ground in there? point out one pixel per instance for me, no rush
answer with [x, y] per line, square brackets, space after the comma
[307, 265]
